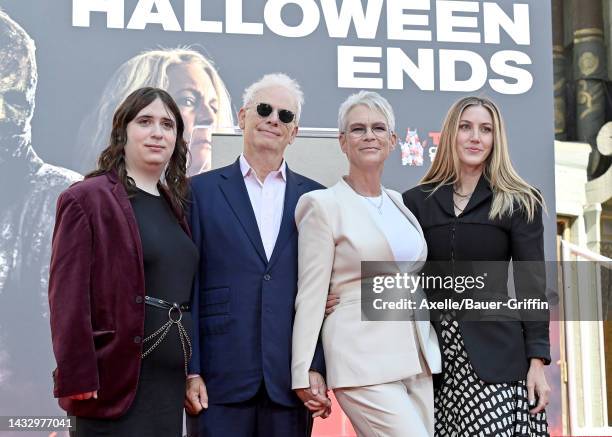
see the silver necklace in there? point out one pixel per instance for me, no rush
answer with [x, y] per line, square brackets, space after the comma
[458, 194]
[461, 198]
[465, 199]
[462, 195]
[371, 202]
[457, 206]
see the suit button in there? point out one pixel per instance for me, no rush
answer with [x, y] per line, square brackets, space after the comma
[137, 339]
[267, 277]
[138, 299]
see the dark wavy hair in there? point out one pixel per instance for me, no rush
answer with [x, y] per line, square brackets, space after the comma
[113, 157]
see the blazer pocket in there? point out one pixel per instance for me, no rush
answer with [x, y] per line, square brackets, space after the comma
[103, 338]
[211, 325]
[215, 302]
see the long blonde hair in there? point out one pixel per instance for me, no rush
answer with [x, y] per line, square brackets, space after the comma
[509, 189]
[147, 69]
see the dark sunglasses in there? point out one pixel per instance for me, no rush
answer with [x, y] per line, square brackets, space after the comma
[265, 109]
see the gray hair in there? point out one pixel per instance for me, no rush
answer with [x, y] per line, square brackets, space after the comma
[370, 99]
[276, 80]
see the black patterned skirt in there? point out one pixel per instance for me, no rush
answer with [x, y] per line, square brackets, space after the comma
[466, 406]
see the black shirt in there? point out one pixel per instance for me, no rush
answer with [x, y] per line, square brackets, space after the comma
[170, 261]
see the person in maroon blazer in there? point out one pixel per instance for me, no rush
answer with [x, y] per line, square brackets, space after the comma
[121, 242]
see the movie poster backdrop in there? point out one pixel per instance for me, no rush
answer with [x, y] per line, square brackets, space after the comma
[65, 65]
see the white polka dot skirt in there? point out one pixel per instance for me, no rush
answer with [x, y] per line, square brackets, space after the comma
[466, 406]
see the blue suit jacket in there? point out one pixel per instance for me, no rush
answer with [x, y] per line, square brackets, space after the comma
[243, 304]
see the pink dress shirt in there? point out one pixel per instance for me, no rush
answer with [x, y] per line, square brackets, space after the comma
[267, 199]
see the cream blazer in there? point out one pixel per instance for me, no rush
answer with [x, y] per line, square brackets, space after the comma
[336, 232]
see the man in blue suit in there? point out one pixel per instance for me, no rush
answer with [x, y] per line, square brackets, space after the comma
[242, 220]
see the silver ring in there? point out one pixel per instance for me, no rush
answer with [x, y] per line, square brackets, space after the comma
[177, 308]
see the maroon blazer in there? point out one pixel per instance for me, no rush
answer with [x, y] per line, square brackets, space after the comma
[96, 297]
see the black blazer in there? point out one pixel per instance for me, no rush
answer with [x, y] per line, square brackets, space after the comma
[499, 351]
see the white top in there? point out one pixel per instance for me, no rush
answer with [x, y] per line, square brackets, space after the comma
[403, 238]
[267, 199]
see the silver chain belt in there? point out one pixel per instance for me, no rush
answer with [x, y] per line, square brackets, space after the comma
[175, 315]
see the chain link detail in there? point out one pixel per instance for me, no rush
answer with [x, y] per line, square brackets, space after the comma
[161, 334]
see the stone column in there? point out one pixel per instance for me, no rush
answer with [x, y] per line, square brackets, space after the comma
[559, 69]
[590, 74]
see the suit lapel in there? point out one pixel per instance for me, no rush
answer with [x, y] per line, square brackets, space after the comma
[124, 202]
[293, 191]
[444, 197]
[237, 197]
[481, 193]
[369, 232]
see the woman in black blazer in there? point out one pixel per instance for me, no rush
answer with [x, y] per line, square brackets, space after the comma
[473, 206]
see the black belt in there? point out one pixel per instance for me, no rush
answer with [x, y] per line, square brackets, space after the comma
[164, 304]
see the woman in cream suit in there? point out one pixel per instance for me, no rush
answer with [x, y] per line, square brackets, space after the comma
[380, 371]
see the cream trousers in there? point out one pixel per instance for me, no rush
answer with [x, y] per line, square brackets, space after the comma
[395, 409]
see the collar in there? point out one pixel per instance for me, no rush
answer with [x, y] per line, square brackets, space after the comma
[246, 169]
[481, 193]
[444, 196]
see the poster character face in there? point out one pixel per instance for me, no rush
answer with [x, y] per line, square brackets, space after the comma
[367, 140]
[268, 133]
[194, 84]
[17, 83]
[193, 90]
[151, 137]
[474, 140]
